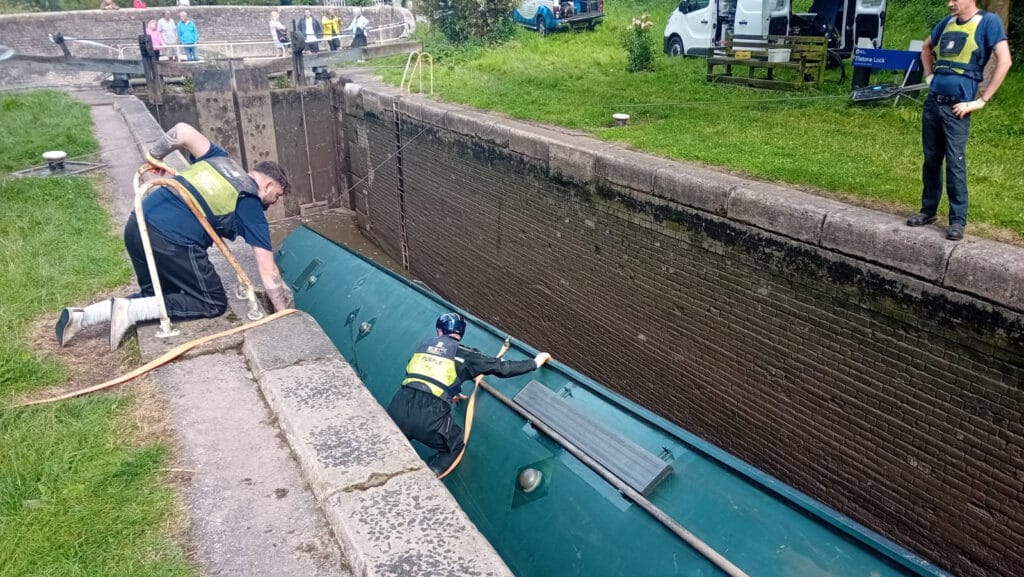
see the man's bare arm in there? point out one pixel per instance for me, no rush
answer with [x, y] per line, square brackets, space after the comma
[181, 136]
[1003, 63]
[277, 291]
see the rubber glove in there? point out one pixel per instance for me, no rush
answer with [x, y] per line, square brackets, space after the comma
[541, 358]
[962, 109]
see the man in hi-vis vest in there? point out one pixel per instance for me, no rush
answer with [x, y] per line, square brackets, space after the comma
[963, 43]
[234, 202]
[422, 407]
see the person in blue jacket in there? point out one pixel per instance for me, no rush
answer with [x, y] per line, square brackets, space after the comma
[962, 43]
[188, 36]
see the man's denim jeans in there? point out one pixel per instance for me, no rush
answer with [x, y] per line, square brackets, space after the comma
[944, 137]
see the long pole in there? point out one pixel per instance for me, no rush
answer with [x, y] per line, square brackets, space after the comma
[633, 495]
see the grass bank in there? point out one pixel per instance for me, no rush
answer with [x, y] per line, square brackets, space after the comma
[865, 154]
[78, 495]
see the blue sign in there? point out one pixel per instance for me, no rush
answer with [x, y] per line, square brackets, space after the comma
[885, 59]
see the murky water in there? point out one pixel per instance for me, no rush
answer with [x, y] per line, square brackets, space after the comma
[340, 226]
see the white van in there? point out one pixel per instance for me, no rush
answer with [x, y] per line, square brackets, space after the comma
[697, 26]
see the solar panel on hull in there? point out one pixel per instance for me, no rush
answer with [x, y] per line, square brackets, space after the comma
[625, 459]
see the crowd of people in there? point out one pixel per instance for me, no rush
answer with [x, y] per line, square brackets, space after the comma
[183, 34]
[313, 30]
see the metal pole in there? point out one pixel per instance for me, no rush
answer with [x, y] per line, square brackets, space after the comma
[633, 495]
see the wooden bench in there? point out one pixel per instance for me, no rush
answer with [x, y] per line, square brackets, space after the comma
[806, 59]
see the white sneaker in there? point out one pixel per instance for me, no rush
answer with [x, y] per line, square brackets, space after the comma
[68, 325]
[119, 322]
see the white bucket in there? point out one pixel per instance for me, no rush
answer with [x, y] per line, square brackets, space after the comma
[779, 54]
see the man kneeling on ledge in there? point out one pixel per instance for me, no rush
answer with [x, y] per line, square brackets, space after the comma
[234, 203]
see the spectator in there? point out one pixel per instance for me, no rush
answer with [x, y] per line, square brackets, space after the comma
[183, 2]
[332, 28]
[311, 28]
[168, 34]
[138, 4]
[188, 36]
[279, 33]
[109, 5]
[154, 36]
[358, 28]
[964, 41]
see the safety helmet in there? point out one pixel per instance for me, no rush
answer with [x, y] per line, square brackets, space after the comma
[451, 323]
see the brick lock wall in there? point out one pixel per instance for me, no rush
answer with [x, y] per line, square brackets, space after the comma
[895, 401]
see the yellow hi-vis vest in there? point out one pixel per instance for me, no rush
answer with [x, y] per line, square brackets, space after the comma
[958, 49]
[432, 367]
[219, 180]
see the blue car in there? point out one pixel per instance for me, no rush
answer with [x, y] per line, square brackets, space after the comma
[546, 15]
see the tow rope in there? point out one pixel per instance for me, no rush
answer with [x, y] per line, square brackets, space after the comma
[471, 410]
[159, 361]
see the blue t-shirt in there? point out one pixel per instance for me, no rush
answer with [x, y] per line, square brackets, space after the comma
[989, 33]
[170, 216]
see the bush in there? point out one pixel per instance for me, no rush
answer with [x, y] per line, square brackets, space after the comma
[464, 20]
[639, 45]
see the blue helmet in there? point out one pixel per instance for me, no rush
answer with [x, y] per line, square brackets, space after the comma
[451, 323]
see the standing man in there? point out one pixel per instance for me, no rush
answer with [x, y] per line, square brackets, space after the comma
[332, 28]
[188, 36]
[422, 407]
[964, 41]
[234, 203]
[169, 34]
[313, 31]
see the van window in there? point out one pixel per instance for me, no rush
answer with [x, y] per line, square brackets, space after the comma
[687, 6]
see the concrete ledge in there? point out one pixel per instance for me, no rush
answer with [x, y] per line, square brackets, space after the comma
[782, 210]
[405, 528]
[696, 187]
[479, 125]
[989, 270]
[294, 339]
[886, 239]
[571, 158]
[391, 516]
[425, 111]
[628, 169]
[352, 103]
[526, 140]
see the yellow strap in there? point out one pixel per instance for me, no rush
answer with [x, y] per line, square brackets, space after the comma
[470, 410]
[161, 360]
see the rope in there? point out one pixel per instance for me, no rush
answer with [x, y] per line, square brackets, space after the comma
[159, 361]
[470, 411]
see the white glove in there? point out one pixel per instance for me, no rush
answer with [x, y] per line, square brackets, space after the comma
[928, 79]
[962, 109]
[541, 358]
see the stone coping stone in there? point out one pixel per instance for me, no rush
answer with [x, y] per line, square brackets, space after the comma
[887, 240]
[294, 339]
[390, 514]
[782, 210]
[988, 269]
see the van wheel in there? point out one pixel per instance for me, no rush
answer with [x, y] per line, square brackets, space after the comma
[542, 29]
[675, 46]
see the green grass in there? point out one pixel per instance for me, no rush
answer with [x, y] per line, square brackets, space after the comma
[77, 496]
[817, 139]
[34, 122]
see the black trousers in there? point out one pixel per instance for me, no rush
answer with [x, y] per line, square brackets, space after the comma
[428, 419]
[191, 287]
